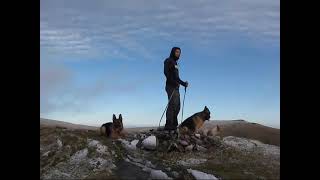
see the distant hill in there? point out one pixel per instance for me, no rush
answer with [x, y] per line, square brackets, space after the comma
[241, 128]
[238, 128]
[55, 123]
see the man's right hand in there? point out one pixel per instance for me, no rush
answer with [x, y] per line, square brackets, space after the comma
[186, 84]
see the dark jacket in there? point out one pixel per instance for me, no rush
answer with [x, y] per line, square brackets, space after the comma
[171, 71]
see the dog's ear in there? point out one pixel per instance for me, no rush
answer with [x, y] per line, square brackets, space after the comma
[114, 117]
[120, 117]
[205, 108]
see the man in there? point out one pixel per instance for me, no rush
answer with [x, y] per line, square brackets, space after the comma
[173, 82]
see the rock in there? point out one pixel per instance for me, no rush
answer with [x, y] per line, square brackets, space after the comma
[175, 174]
[46, 154]
[165, 143]
[199, 142]
[181, 148]
[59, 143]
[150, 165]
[201, 149]
[142, 136]
[196, 140]
[173, 147]
[158, 174]
[189, 148]
[201, 175]
[139, 144]
[204, 132]
[135, 159]
[146, 169]
[134, 142]
[197, 135]
[205, 140]
[99, 163]
[185, 137]
[127, 144]
[184, 143]
[150, 143]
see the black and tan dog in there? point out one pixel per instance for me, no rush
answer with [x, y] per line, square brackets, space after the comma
[194, 122]
[112, 129]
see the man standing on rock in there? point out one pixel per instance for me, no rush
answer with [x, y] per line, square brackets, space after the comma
[173, 82]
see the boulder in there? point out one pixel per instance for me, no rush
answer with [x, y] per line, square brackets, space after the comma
[150, 143]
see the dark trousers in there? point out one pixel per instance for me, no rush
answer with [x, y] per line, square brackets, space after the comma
[173, 108]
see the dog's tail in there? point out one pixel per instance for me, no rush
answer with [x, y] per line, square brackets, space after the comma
[102, 130]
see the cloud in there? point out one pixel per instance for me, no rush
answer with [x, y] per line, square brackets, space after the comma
[98, 27]
[60, 89]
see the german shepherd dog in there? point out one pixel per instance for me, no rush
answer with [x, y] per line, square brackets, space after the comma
[193, 123]
[112, 129]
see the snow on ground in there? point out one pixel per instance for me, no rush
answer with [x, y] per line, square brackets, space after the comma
[252, 145]
[201, 175]
[158, 174]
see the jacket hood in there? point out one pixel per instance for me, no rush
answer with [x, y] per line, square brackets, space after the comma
[173, 51]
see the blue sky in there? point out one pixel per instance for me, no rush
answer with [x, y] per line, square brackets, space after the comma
[100, 58]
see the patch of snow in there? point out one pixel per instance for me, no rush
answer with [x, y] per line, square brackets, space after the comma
[92, 143]
[201, 175]
[59, 143]
[191, 161]
[79, 156]
[100, 148]
[250, 145]
[46, 153]
[100, 163]
[158, 174]
[240, 143]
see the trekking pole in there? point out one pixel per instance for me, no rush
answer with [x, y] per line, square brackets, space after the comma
[185, 91]
[166, 107]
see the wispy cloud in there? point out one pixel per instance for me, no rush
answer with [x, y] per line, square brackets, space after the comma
[60, 90]
[98, 27]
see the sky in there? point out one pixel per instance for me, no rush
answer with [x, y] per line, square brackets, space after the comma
[104, 57]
